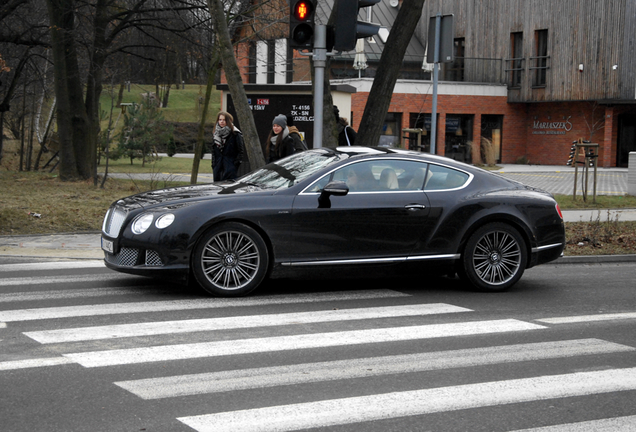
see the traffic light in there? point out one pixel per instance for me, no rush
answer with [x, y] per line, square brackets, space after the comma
[347, 28]
[301, 23]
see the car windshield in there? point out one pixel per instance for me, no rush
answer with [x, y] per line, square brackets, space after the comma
[287, 172]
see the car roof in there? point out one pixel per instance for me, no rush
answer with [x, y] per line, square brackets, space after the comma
[356, 151]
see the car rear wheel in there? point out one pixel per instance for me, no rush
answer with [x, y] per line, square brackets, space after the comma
[494, 258]
[230, 260]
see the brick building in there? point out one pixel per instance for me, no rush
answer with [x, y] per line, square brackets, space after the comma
[529, 76]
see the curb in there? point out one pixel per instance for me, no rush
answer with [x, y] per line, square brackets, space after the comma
[594, 259]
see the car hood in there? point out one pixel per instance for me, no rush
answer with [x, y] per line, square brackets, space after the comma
[187, 194]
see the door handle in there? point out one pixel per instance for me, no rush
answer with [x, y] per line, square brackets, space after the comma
[415, 207]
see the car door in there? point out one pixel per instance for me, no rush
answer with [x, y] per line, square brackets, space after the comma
[381, 218]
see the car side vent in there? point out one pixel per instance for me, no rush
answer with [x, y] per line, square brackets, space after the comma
[127, 257]
[153, 259]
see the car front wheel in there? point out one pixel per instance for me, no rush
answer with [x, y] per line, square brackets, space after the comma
[230, 260]
[494, 258]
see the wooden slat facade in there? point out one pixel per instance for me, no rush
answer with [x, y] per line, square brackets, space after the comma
[598, 34]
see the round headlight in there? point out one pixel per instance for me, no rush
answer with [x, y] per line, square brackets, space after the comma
[142, 223]
[164, 220]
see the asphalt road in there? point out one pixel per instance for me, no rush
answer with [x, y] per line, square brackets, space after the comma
[86, 349]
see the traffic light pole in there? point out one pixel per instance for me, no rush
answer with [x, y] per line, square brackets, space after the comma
[438, 21]
[320, 62]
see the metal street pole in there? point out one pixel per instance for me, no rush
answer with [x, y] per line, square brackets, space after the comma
[320, 62]
[438, 31]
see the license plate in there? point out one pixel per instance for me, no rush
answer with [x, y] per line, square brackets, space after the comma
[107, 245]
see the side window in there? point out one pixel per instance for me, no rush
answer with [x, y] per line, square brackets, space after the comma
[443, 178]
[384, 175]
[320, 184]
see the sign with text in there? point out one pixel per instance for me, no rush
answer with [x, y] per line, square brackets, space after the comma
[299, 110]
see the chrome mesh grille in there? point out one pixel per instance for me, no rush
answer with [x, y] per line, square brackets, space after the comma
[113, 222]
[152, 258]
[127, 257]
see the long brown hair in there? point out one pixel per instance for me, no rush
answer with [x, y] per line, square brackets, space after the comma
[268, 146]
[229, 120]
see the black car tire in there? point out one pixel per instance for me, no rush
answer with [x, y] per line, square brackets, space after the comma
[494, 258]
[230, 260]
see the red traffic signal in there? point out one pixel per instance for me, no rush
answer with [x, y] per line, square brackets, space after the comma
[302, 10]
[301, 23]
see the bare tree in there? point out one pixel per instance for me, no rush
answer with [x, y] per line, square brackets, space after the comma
[235, 83]
[106, 27]
[388, 71]
[23, 38]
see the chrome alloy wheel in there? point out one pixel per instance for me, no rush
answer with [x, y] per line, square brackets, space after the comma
[497, 257]
[230, 260]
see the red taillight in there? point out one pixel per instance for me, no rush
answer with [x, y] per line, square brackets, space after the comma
[559, 211]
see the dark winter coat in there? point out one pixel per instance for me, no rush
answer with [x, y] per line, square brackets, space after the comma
[288, 146]
[345, 131]
[227, 159]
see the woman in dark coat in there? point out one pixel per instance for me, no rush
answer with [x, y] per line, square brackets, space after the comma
[227, 149]
[281, 142]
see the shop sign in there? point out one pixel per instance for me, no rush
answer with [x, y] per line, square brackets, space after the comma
[551, 127]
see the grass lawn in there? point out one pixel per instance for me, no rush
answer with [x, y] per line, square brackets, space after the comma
[164, 164]
[183, 105]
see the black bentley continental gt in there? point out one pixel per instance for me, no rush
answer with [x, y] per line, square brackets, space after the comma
[352, 208]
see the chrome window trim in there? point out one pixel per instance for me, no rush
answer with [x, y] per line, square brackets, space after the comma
[470, 177]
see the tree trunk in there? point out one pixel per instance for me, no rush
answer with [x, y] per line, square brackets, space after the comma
[235, 82]
[198, 149]
[72, 119]
[388, 71]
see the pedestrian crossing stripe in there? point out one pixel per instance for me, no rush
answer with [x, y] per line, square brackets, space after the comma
[416, 402]
[83, 293]
[237, 322]
[589, 318]
[53, 265]
[294, 342]
[616, 424]
[257, 378]
[38, 280]
[199, 303]
[34, 363]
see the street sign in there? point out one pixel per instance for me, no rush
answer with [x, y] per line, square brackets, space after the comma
[446, 41]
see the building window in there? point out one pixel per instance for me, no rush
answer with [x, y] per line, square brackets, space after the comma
[455, 70]
[391, 130]
[271, 61]
[515, 63]
[268, 62]
[459, 137]
[251, 69]
[418, 137]
[491, 127]
[541, 58]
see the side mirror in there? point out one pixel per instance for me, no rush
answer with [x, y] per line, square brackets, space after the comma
[337, 188]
